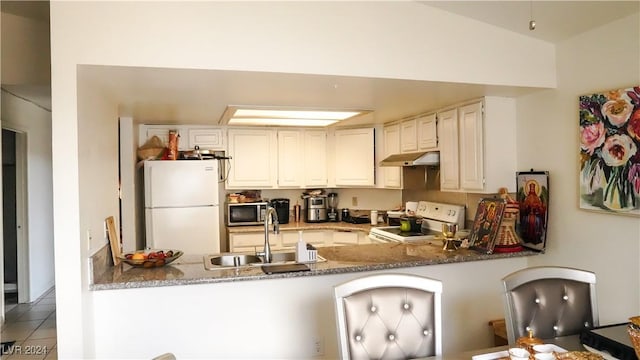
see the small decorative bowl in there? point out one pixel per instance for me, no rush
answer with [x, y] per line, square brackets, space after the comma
[151, 258]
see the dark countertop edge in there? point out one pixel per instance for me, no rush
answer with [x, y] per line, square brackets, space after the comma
[340, 268]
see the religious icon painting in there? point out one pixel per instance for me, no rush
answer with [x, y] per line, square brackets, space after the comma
[533, 197]
[485, 227]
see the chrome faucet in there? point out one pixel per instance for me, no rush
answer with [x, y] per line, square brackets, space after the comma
[270, 211]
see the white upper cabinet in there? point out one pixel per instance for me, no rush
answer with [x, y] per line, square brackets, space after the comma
[409, 136]
[448, 132]
[315, 158]
[302, 158]
[471, 144]
[254, 158]
[162, 132]
[477, 148]
[427, 132]
[392, 175]
[209, 138]
[289, 158]
[354, 157]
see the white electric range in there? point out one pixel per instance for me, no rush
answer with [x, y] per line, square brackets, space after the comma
[432, 214]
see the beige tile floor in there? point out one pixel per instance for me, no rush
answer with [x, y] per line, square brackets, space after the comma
[33, 327]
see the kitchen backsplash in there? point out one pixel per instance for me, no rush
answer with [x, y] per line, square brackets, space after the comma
[420, 183]
[356, 198]
[426, 186]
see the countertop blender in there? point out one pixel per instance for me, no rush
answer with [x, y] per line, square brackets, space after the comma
[332, 211]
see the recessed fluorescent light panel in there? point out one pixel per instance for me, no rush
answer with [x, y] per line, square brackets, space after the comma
[254, 116]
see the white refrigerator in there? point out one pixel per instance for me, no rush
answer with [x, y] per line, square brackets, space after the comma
[182, 205]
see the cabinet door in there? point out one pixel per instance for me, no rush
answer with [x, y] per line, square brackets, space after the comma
[345, 238]
[427, 132]
[252, 242]
[162, 132]
[289, 158]
[212, 139]
[471, 147]
[354, 160]
[253, 158]
[316, 238]
[245, 242]
[409, 136]
[391, 138]
[315, 158]
[448, 131]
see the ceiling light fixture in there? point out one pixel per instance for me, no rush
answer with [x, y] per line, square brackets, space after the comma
[532, 23]
[272, 116]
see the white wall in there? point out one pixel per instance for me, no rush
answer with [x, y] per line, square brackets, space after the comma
[280, 318]
[374, 39]
[602, 59]
[25, 50]
[25, 117]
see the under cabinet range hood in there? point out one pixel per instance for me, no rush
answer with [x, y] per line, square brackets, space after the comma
[425, 158]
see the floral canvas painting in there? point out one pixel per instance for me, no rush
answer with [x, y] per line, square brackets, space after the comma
[610, 151]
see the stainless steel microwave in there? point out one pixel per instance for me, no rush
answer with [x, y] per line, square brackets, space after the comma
[240, 214]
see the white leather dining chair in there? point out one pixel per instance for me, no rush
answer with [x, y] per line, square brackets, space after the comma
[389, 316]
[550, 301]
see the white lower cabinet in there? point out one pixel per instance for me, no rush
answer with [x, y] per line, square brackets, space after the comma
[347, 237]
[313, 237]
[287, 239]
[253, 242]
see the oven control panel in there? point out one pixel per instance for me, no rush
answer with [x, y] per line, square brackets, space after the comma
[441, 212]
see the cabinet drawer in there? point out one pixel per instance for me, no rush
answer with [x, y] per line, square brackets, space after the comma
[251, 239]
[290, 238]
[345, 238]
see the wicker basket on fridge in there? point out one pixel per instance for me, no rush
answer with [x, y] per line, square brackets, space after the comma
[634, 333]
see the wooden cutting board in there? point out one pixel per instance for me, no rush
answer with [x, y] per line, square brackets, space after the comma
[114, 240]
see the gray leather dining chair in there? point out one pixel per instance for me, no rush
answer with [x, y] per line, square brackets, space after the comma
[389, 316]
[550, 301]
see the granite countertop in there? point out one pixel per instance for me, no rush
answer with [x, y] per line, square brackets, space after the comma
[295, 226]
[189, 269]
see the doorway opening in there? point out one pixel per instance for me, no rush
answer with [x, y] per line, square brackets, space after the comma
[15, 247]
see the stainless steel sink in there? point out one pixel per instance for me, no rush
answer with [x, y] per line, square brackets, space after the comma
[231, 260]
[227, 260]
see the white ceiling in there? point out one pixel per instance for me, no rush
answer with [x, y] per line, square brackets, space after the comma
[165, 96]
[555, 20]
[200, 97]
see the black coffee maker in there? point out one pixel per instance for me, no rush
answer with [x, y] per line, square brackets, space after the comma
[282, 209]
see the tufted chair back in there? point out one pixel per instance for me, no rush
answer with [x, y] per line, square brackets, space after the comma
[550, 301]
[389, 316]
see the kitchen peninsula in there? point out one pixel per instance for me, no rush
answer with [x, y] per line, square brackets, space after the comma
[214, 314]
[190, 270]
